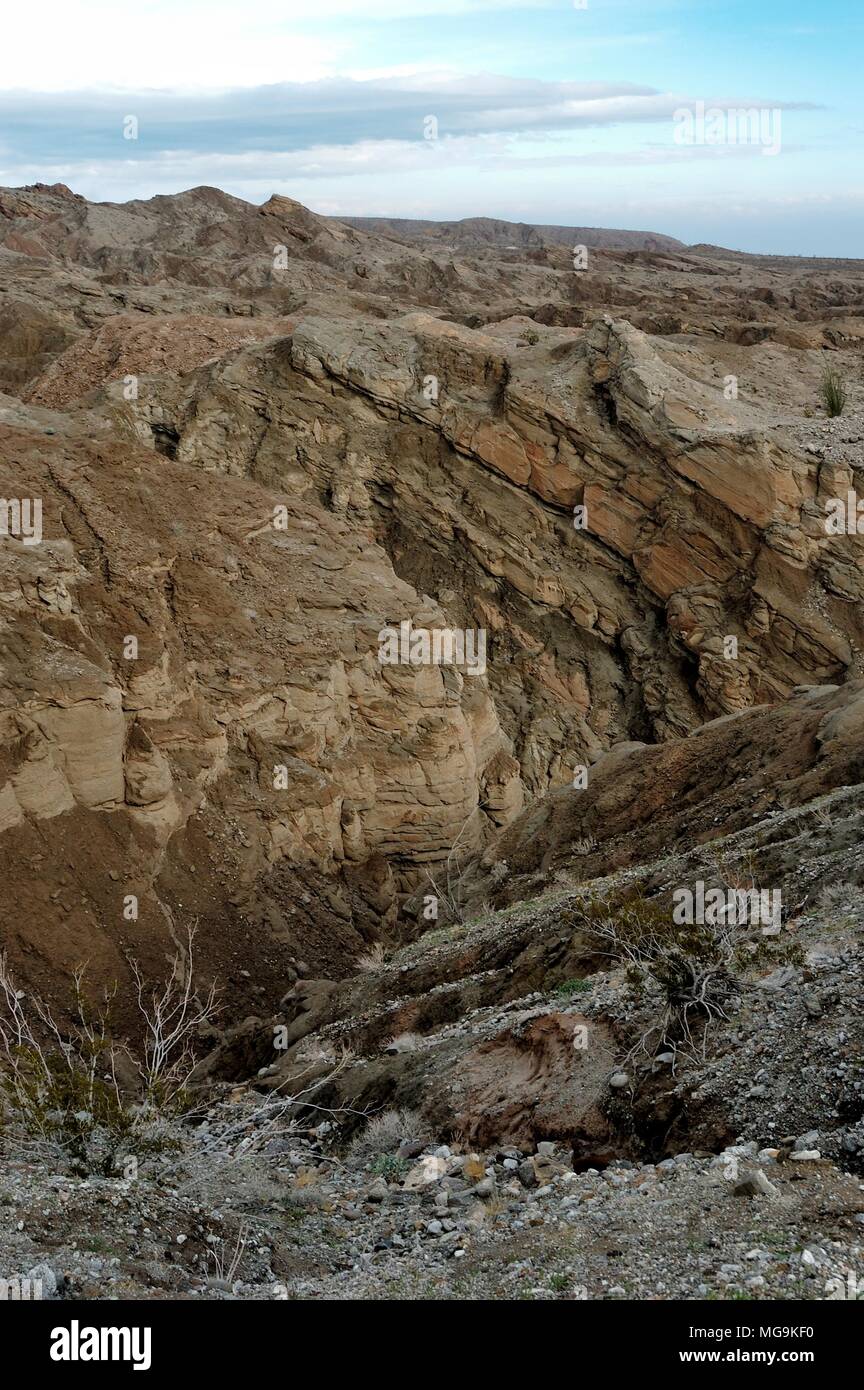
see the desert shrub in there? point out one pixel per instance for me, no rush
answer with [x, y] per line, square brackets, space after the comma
[385, 1132]
[584, 845]
[448, 888]
[226, 1260]
[569, 987]
[690, 963]
[389, 1166]
[693, 967]
[372, 960]
[61, 1087]
[838, 897]
[832, 389]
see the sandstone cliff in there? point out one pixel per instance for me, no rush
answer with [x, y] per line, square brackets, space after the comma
[259, 437]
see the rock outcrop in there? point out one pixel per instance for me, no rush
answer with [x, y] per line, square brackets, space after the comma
[259, 438]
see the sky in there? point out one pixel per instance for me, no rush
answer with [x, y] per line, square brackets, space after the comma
[615, 113]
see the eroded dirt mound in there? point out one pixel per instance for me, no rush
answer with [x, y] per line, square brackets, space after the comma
[642, 803]
[133, 345]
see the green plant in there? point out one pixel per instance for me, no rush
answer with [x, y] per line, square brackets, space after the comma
[569, 987]
[389, 1166]
[832, 389]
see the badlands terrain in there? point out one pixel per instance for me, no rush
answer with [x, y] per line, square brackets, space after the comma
[454, 1056]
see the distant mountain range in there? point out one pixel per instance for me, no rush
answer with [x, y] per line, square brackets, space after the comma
[473, 233]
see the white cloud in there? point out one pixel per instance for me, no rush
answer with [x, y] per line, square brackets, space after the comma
[190, 45]
[185, 45]
[257, 173]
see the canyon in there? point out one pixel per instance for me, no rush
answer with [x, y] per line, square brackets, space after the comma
[260, 438]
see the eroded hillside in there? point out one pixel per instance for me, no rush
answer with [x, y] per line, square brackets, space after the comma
[260, 437]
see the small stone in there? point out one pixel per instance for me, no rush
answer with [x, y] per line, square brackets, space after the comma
[527, 1175]
[619, 1080]
[412, 1148]
[755, 1184]
[807, 1141]
[429, 1170]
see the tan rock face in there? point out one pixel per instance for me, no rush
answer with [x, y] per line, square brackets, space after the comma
[217, 671]
[195, 720]
[695, 533]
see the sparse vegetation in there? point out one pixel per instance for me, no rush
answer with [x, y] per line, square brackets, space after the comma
[586, 845]
[448, 895]
[570, 987]
[693, 966]
[62, 1087]
[226, 1263]
[386, 1132]
[832, 390]
[389, 1166]
[373, 960]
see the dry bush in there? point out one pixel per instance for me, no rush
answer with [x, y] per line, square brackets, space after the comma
[372, 960]
[226, 1262]
[693, 966]
[449, 893]
[239, 1131]
[61, 1087]
[386, 1132]
[586, 845]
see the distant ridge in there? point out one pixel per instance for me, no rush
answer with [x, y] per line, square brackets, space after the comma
[473, 233]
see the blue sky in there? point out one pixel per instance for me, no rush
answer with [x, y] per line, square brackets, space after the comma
[545, 111]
